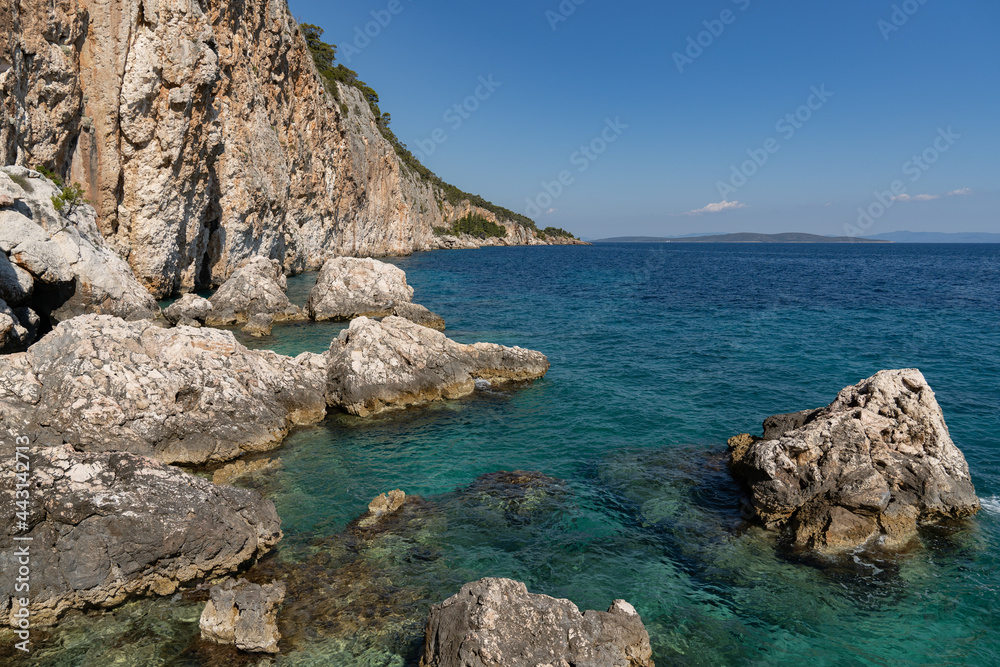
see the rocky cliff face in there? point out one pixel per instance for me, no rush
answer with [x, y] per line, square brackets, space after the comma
[204, 135]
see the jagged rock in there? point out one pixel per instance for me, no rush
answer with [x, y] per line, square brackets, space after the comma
[231, 472]
[256, 288]
[877, 462]
[377, 366]
[16, 284]
[498, 623]
[382, 505]
[108, 526]
[187, 309]
[57, 263]
[259, 325]
[243, 614]
[417, 313]
[13, 335]
[181, 395]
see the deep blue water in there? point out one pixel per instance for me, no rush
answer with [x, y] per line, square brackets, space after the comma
[659, 353]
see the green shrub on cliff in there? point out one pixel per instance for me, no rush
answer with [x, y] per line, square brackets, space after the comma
[478, 226]
[67, 200]
[325, 56]
[557, 231]
[49, 174]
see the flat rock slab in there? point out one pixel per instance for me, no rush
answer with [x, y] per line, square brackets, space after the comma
[873, 465]
[108, 526]
[377, 366]
[498, 623]
[185, 395]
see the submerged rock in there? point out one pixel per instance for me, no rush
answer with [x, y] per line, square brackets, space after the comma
[57, 263]
[180, 395]
[384, 504]
[257, 287]
[497, 622]
[108, 526]
[190, 310]
[349, 287]
[244, 615]
[876, 463]
[378, 366]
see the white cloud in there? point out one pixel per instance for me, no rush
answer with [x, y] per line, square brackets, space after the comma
[551, 210]
[916, 197]
[716, 208]
[960, 193]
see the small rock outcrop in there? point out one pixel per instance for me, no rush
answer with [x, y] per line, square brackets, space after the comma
[183, 395]
[108, 526]
[498, 623]
[189, 310]
[876, 463]
[55, 265]
[258, 287]
[377, 366]
[383, 504]
[348, 287]
[259, 325]
[244, 615]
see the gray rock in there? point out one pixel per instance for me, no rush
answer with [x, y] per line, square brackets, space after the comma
[259, 325]
[418, 314]
[257, 287]
[498, 623]
[16, 284]
[13, 334]
[108, 526]
[185, 395]
[377, 366]
[874, 464]
[188, 308]
[58, 264]
[244, 615]
[349, 287]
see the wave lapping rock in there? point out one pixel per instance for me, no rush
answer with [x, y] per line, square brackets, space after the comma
[377, 366]
[256, 288]
[55, 265]
[348, 287]
[876, 463]
[184, 395]
[109, 526]
[497, 622]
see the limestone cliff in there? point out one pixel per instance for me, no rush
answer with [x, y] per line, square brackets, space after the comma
[204, 135]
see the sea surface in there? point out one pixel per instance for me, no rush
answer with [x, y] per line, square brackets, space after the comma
[659, 353]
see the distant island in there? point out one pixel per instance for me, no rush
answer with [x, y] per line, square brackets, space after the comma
[938, 237]
[743, 237]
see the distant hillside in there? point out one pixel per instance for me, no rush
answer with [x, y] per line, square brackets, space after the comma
[938, 237]
[743, 237]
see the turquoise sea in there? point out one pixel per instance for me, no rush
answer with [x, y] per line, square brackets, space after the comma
[659, 353]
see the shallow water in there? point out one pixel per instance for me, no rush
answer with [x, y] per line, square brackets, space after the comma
[659, 353]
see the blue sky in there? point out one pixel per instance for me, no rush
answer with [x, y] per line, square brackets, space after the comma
[613, 118]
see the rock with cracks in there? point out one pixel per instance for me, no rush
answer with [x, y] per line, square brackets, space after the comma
[377, 366]
[190, 310]
[244, 615]
[258, 287]
[875, 464]
[498, 623]
[180, 395]
[109, 526]
[348, 287]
